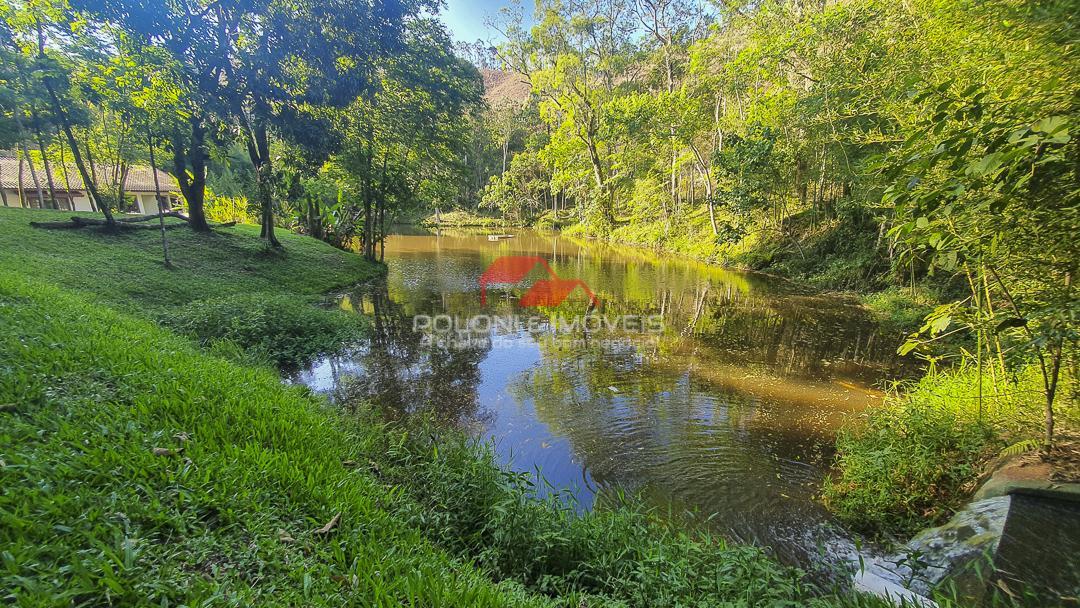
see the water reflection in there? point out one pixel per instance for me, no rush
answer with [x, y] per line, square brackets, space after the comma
[729, 411]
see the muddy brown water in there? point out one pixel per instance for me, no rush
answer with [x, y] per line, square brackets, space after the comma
[706, 390]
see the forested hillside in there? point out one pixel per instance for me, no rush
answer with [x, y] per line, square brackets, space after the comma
[920, 149]
[879, 135]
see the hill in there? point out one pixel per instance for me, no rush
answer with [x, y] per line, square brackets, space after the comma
[504, 87]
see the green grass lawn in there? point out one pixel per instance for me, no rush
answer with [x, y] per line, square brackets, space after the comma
[125, 270]
[137, 470]
[224, 286]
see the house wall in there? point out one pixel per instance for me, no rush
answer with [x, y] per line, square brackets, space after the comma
[82, 203]
[146, 201]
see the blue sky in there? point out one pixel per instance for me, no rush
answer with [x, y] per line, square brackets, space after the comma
[466, 18]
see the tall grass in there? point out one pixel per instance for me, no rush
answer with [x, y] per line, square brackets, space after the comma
[139, 471]
[620, 551]
[912, 462]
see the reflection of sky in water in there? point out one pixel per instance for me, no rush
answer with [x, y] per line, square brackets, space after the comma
[731, 415]
[520, 439]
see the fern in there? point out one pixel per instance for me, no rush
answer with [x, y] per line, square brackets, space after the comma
[1020, 447]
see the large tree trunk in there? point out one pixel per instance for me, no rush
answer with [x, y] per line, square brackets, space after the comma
[192, 186]
[259, 151]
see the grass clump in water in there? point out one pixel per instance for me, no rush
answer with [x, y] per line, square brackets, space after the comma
[913, 461]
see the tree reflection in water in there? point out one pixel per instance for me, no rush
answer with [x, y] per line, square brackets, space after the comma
[729, 411]
[401, 374]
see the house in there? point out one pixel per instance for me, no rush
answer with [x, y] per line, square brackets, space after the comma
[17, 188]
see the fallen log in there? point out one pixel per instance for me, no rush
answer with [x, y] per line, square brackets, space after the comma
[147, 218]
[121, 223]
[55, 225]
[93, 221]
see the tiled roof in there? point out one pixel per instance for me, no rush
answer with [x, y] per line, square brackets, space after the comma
[139, 178]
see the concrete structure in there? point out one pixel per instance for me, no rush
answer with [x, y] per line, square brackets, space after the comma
[17, 188]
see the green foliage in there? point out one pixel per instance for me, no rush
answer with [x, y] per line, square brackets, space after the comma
[464, 219]
[225, 209]
[916, 458]
[285, 329]
[619, 554]
[228, 512]
[900, 309]
[521, 192]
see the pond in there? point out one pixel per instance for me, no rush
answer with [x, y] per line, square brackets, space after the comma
[708, 391]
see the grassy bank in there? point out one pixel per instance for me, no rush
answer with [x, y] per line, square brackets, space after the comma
[138, 470]
[225, 285]
[829, 253]
[464, 219]
[912, 462]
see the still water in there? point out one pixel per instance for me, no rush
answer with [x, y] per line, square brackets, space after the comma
[708, 391]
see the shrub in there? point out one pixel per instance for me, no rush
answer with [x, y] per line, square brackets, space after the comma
[918, 457]
[284, 329]
[225, 209]
[898, 309]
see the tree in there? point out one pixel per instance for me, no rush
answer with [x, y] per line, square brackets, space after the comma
[576, 59]
[24, 30]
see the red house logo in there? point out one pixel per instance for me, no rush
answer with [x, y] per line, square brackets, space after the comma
[544, 292]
